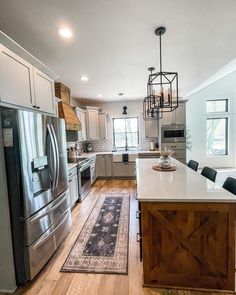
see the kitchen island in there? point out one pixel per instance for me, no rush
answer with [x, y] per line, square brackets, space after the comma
[187, 229]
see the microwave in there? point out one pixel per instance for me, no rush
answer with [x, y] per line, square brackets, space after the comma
[173, 133]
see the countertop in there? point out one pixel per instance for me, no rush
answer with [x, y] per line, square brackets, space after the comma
[182, 185]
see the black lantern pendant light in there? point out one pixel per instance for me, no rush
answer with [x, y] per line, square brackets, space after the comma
[163, 85]
[151, 104]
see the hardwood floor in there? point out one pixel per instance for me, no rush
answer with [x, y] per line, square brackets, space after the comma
[52, 281]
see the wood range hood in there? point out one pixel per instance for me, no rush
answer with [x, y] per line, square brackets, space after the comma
[65, 110]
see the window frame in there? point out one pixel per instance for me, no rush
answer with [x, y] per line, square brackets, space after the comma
[226, 135]
[218, 112]
[138, 132]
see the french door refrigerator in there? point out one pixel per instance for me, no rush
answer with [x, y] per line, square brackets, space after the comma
[36, 167]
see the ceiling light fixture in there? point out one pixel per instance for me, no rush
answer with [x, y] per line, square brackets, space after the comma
[162, 89]
[84, 78]
[65, 33]
[99, 95]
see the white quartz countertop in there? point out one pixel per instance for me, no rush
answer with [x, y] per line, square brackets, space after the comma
[182, 185]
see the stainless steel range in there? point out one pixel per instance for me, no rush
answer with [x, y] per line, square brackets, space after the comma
[84, 177]
[36, 164]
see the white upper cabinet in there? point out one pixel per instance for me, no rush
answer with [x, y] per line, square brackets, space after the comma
[151, 128]
[81, 114]
[102, 119]
[23, 85]
[178, 116]
[92, 124]
[44, 92]
[15, 79]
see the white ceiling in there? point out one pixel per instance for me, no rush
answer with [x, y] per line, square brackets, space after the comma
[114, 41]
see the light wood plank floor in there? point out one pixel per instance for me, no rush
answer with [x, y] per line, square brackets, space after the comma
[52, 281]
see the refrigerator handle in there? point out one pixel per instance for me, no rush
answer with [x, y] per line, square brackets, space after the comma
[57, 156]
[53, 169]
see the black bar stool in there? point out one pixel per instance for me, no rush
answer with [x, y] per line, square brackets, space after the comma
[193, 165]
[209, 173]
[230, 185]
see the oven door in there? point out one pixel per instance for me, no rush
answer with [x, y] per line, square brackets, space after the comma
[173, 133]
[84, 181]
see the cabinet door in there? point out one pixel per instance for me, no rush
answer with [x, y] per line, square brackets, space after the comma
[167, 118]
[44, 92]
[180, 117]
[119, 169]
[83, 123]
[108, 165]
[151, 128]
[102, 118]
[92, 126]
[131, 170]
[101, 166]
[73, 190]
[15, 79]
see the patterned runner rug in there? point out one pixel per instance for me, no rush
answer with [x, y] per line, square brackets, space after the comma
[102, 245]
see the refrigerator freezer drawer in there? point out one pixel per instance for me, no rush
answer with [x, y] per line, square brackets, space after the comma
[40, 252]
[36, 225]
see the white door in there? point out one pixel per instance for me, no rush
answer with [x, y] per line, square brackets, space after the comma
[15, 79]
[92, 119]
[44, 92]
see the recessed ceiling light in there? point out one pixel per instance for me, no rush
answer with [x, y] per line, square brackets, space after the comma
[84, 78]
[99, 95]
[65, 33]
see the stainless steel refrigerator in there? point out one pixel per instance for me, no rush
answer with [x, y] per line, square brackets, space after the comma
[36, 167]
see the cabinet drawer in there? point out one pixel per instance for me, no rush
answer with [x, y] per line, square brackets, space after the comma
[45, 246]
[174, 145]
[179, 154]
[72, 172]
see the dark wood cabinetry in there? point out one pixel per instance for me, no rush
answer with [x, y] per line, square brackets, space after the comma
[188, 245]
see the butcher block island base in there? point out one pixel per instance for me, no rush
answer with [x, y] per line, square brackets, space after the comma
[188, 245]
[187, 230]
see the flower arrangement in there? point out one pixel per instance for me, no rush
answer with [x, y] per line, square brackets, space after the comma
[166, 153]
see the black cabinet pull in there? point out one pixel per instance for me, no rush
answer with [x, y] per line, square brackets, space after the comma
[70, 180]
[138, 214]
[37, 107]
[139, 238]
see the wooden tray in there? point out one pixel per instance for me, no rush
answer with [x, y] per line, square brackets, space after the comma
[159, 168]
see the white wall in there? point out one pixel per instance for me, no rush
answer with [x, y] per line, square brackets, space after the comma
[196, 122]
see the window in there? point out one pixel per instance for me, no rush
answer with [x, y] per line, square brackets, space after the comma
[125, 132]
[217, 126]
[217, 136]
[217, 105]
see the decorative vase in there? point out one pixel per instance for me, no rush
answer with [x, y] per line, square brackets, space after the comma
[165, 162]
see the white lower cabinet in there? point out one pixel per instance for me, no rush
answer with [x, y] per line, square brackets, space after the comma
[73, 186]
[119, 169]
[93, 170]
[104, 165]
[124, 169]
